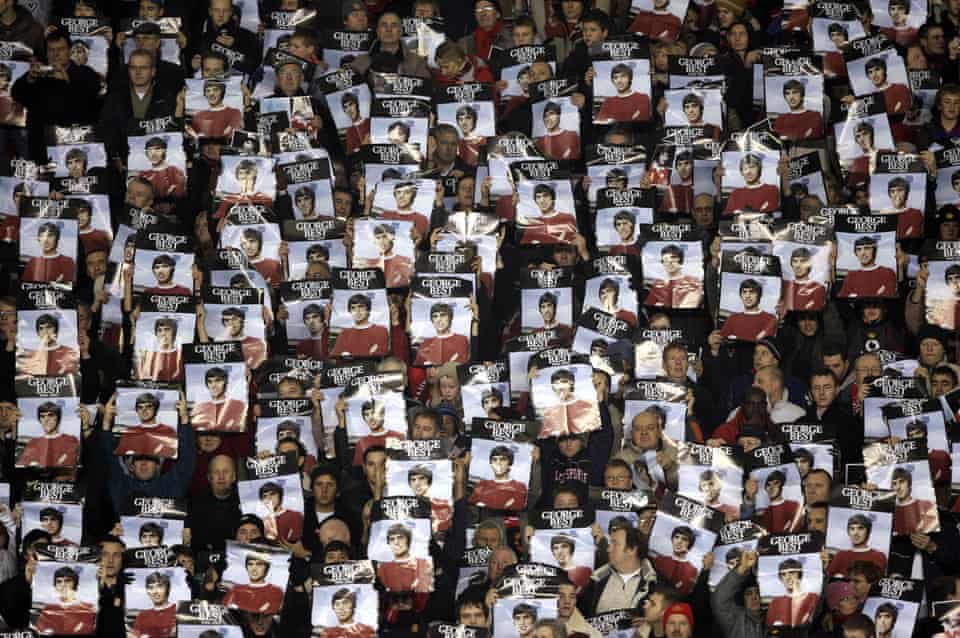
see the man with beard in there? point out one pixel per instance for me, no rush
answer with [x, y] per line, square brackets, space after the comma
[257, 596]
[677, 569]
[162, 363]
[344, 604]
[799, 123]
[404, 573]
[911, 515]
[359, 129]
[164, 268]
[50, 265]
[658, 24]
[420, 480]
[149, 437]
[500, 493]
[51, 357]
[754, 196]
[279, 523]
[550, 226]
[53, 448]
[218, 120]
[859, 527]
[404, 194]
[563, 549]
[796, 607]
[909, 220]
[569, 415]
[752, 324]
[397, 269]
[70, 615]
[677, 290]
[872, 279]
[161, 620]
[803, 293]
[628, 105]
[363, 339]
[447, 345]
[220, 412]
[167, 180]
[557, 143]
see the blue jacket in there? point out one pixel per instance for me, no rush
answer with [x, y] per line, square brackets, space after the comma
[171, 484]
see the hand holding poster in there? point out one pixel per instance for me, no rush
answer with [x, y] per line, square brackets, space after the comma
[65, 598]
[399, 540]
[564, 396]
[790, 575]
[683, 532]
[255, 578]
[501, 456]
[858, 529]
[749, 295]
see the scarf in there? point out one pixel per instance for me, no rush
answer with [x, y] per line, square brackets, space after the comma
[484, 40]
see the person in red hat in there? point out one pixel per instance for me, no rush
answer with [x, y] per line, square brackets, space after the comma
[678, 621]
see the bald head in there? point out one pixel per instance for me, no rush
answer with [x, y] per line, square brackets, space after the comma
[222, 475]
[770, 380]
[334, 529]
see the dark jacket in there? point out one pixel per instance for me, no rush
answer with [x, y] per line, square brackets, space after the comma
[118, 112]
[213, 520]
[25, 30]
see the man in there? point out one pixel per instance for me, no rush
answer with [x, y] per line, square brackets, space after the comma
[557, 143]
[446, 346]
[658, 24]
[897, 97]
[161, 620]
[710, 487]
[305, 204]
[405, 194]
[625, 226]
[404, 573]
[885, 619]
[51, 358]
[781, 515]
[258, 596]
[70, 615]
[254, 350]
[373, 413]
[359, 129]
[220, 412]
[677, 290]
[363, 339]
[151, 534]
[678, 621]
[754, 196]
[251, 241]
[397, 269]
[50, 265]
[569, 415]
[469, 141]
[679, 196]
[770, 379]
[859, 527]
[693, 110]
[164, 362]
[796, 607]
[315, 345]
[164, 268]
[524, 620]
[563, 549]
[92, 239]
[51, 521]
[752, 324]
[901, 32]
[53, 448]
[500, 493]
[547, 306]
[833, 64]
[420, 480]
[628, 105]
[609, 294]
[677, 569]
[569, 615]
[218, 120]
[799, 123]
[911, 515]
[909, 220]
[279, 523]
[803, 293]
[872, 279]
[167, 180]
[149, 437]
[344, 604]
[550, 226]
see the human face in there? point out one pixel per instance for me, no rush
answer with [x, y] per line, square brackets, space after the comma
[111, 559]
[750, 298]
[672, 264]
[645, 431]
[139, 195]
[157, 593]
[58, 53]
[145, 469]
[419, 484]
[750, 171]
[824, 390]
[794, 98]
[685, 169]
[551, 121]
[524, 623]
[212, 67]
[693, 111]
[343, 610]
[405, 196]
[703, 210]
[898, 196]
[220, 12]
[940, 384]
[234, 325]
[773, 489]
[384, 242]
[570, 446]
[791, 579]
[677, 626]
[76, 166]
[540, 72]
[398, 545]
[807, 325]
[801, 267]
[858, 534]
[592, 33]
[472, 616]
[217, 386]
[149, 539]
[500, 466]
[271, 501]
[835, 364]
[681, 544]
[710, 490]
[164, 334]
[563, 388]
[523, 36]
[49, 421]
[324, 490]
[817, 519]
[624, 228]
[877, 75]
[901, 488]
[565, 501]
[66, 590]
[388, 30]
[816, 488]
[289, 79]
[163, 273]
[374, 417]
[931, 352]
[898, 14]
[864, 139]
[356, 21]
[883, 623]
[50, 525]
[487, 15]
[548, 311]
[653, 607]
[738, 38]
[256, 570]
[621, 81]
[359, 312]
[141, 71]
[617, 478]
[867, 365]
